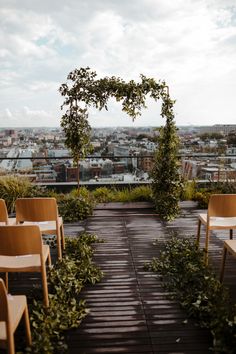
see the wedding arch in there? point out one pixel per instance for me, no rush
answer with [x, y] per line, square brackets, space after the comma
[84, 90]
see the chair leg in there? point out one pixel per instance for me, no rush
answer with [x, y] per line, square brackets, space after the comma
[10, 342]
[27, 326]
[63, 237]
[231, 234]
[44, 285]
[6, 281]
[198, 232]
[49, 258]
[223, 264]
[206, 245]
[59, 252]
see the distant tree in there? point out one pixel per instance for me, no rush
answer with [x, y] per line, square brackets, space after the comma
[141, 137]
[216, 136]
[204, 136]
[231, 138]
[211, 136]
[222, 147]
[88, 91]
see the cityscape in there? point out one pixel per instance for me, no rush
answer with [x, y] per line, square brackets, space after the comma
[120, 155]
[118, 177]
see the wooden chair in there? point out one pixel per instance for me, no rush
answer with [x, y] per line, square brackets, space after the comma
[4, 219]
[229, 246]
[12, 309]
[221, 215]
[43, 211]
[22, 250]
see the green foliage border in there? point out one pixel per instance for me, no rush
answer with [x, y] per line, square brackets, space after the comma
[198, 290]
[66, 279]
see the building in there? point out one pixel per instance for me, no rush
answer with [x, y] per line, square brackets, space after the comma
[24, 164]
[224, 129]
[71, 174]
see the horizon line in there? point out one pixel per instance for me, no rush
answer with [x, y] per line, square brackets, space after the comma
[118, 126]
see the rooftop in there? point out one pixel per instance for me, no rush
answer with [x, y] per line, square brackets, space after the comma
[130, 311]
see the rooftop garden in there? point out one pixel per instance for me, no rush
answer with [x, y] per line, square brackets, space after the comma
[180, 264]
[208, 302]
[79, 203]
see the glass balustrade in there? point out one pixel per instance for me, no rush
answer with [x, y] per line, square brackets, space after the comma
[131, 169]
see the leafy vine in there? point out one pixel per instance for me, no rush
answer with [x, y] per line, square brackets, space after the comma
[66, 279]
[198, 290]
[84, 90]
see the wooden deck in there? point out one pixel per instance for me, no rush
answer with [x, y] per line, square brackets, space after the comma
[129, 309]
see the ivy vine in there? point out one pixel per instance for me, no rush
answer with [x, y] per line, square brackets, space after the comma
[83, 90]
[66, 279]
[198, 290]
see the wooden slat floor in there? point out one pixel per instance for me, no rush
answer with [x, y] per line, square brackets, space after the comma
[129, 310]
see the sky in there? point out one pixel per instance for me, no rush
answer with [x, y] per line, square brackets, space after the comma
[190, 44]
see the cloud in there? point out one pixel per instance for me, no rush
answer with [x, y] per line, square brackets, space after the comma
[26, 117]
[8, 113]
[191, 44]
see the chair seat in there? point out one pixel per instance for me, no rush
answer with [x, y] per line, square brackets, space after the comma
[17, 304]
[219, 222]
[3, 333]
[27, 263]
[46, 226]
[11, 221]
[231, 246]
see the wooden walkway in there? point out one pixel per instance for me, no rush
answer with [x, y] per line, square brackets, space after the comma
[129, 310]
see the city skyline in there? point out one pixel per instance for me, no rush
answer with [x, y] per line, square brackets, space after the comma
[189, 44]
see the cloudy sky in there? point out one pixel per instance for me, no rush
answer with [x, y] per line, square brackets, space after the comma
[191, 44]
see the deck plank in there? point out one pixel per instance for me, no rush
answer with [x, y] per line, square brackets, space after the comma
[130, 312]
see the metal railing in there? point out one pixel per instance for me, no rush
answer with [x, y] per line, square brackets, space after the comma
[109, 170]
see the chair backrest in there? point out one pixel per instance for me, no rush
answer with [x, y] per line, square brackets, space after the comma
[19, 240]
[36, 209]
[3, 212]
[222, 205]
[3, 302]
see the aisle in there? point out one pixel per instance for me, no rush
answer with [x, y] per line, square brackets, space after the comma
[129, 309]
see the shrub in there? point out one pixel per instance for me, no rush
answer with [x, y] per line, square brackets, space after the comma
[198, 291]
[202, 196]
[203, 199]
[82, 191]
[189, 190]
[73, 208]
[228, 187]
[13, 187]
[66, 279]
[166, 181]
[103, 195]
[140, 193]
[122, 195]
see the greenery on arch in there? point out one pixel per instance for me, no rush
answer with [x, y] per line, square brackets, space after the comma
[83, 90]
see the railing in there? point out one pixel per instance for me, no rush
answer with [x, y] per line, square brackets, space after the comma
[115, 170]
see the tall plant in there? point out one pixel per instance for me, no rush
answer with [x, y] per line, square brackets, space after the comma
[75, 123]
[166, 185]
[88, 91]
